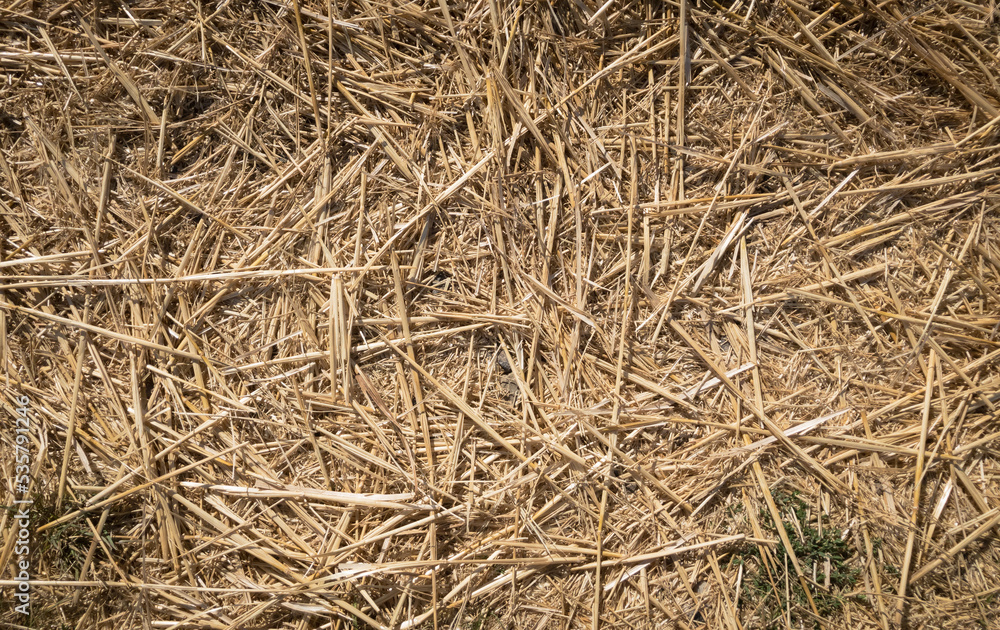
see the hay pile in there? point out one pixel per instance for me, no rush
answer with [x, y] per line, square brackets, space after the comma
[503, 314]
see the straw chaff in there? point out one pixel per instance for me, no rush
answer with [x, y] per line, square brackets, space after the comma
[502, 314]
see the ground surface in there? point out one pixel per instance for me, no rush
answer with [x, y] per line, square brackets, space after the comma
[501, 314]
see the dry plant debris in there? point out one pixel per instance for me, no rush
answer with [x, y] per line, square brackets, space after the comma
[410, 314]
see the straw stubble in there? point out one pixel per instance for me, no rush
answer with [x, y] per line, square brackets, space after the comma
[503, 314]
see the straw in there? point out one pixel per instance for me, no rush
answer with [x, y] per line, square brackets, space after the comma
[432, 314]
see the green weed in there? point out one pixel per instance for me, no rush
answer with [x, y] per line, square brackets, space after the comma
[815, 548]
